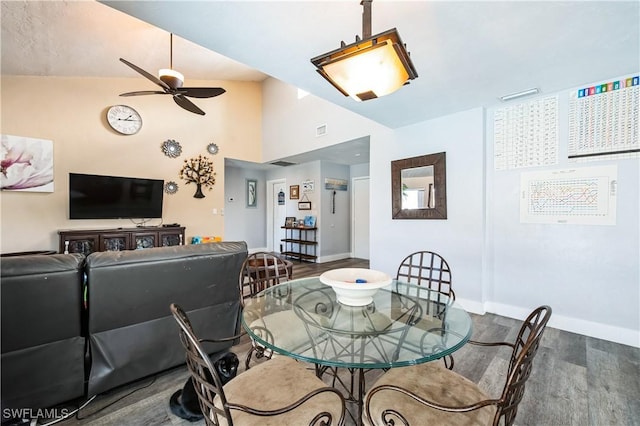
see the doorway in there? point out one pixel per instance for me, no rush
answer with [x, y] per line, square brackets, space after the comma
[276, 214]
[360, 217]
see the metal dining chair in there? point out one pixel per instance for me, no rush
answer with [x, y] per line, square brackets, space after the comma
[431, 270]
[430, 394]
[279, 392]
[259, 271]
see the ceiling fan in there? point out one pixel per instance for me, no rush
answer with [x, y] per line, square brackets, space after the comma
[171, 83]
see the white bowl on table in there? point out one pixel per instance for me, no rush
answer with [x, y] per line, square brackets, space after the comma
[355, 286]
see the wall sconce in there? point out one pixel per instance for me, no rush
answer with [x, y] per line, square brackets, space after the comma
[371, 67]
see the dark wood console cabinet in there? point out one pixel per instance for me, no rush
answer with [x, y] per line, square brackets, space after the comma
[89, 240]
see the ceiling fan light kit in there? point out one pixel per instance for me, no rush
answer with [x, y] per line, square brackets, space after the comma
[372, 67]
[171, 78]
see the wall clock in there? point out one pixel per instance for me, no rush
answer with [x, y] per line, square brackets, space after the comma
[124, 119]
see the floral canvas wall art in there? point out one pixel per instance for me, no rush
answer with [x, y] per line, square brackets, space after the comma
[26, 164]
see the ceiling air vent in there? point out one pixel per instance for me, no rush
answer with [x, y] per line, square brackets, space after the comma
[282, 163]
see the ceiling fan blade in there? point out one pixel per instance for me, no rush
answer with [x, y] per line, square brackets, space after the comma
[144, 92]
[201, 92]
[151, 77]
[187, 104]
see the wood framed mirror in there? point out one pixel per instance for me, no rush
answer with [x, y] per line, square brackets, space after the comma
[419, 187]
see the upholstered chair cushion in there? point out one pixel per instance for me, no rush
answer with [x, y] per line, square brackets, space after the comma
[262, 388]
[435, 383]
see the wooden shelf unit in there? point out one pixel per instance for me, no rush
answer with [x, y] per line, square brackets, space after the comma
[301, 245]
[87, 241]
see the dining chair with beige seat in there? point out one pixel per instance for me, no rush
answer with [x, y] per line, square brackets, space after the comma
[279, 392]
[431, 394]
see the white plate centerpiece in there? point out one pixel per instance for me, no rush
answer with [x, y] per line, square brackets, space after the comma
[355, 286]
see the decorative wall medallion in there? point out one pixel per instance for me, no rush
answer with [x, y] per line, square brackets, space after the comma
[171, 187]
[171, 148]
[212, 148]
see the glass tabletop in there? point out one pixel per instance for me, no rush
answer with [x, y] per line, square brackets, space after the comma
[405, 324]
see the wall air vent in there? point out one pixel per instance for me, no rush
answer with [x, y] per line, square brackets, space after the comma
[321, 130]
[282, 163]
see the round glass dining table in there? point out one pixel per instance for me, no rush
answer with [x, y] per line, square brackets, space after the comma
[405, 324]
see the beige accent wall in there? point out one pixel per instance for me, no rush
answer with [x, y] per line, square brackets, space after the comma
[71, 113]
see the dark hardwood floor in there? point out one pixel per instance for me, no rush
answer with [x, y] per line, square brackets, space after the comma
[576, 380]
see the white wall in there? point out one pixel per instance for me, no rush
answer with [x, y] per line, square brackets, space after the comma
[289, 124]
[459, 238]
[71, 113]
[589, 275]
[242, 223]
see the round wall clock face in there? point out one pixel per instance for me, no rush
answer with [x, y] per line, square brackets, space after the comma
[124, 119]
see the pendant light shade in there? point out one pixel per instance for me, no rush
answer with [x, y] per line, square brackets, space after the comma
[369, 68]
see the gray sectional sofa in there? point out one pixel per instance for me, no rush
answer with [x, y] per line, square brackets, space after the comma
[74, 327]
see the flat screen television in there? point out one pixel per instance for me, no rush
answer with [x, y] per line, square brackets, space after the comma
[114, 197]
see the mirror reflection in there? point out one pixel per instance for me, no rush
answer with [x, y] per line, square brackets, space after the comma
[419, 187]
[418, 190]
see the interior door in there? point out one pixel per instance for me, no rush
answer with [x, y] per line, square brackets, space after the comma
[360, 217]
[276, 214]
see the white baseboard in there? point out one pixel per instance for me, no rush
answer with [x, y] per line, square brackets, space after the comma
[625, 336]
[333, 257]
[255, 250]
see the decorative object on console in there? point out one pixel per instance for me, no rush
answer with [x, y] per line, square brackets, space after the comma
[207, 239]
[171, 83]
[355, 286]
[310, 221]
[371, 67]
[199, 171]
[212, 149]
[289, 221]
[26, 164]
[171, 187]
[124, 119]
[171, 148]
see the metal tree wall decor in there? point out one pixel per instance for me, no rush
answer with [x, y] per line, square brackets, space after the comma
[199, 171]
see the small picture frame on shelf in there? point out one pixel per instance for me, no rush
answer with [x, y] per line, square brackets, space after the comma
[294, 192]
[289, 221]
[310, 221]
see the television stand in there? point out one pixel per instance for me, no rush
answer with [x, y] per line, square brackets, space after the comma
[87, 241]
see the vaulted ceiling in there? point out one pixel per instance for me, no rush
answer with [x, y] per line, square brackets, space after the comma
[467, 53]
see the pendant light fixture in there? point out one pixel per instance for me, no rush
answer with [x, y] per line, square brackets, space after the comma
[371, 67]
